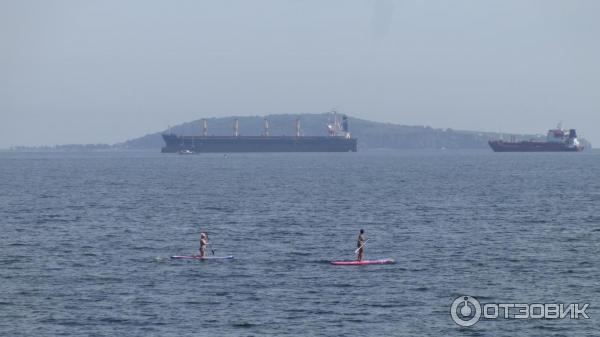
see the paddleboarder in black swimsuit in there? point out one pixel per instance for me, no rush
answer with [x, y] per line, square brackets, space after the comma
[360, 244]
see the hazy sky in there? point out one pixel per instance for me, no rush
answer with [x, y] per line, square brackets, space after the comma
[105, 71]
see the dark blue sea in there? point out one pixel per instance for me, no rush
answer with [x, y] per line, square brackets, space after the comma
[86, 238]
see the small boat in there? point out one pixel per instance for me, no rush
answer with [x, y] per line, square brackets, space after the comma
[363, 262]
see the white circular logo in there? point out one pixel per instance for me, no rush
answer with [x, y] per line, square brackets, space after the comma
[465, 310]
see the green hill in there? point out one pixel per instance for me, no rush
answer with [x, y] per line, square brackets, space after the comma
[371, 135]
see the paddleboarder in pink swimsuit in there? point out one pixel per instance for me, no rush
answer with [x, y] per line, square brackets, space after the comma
[360, 244]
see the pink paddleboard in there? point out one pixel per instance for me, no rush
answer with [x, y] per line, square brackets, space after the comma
[197, 257]
[362, 263]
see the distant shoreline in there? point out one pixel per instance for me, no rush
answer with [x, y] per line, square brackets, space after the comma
[370, 135]
[116, 149]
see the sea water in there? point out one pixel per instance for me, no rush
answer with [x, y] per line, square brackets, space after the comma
[86, 240]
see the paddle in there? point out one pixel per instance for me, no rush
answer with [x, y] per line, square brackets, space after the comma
[208, 243]
[212, 250]
[211, 245]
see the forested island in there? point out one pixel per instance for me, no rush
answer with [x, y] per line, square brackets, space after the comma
[370, 135]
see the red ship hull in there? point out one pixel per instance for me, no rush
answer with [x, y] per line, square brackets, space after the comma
[531, 146]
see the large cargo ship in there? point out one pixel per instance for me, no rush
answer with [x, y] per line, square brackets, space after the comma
[557, 140]
[337, 140]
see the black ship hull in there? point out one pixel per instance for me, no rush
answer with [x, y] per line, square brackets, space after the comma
[529, 146]
[227, 144]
